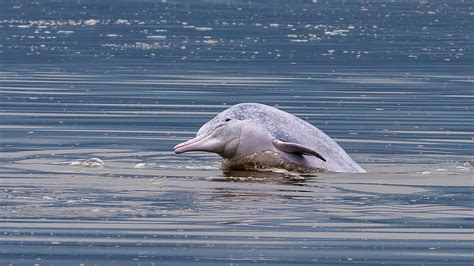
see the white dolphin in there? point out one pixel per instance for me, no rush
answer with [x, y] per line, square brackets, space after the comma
[254, 136]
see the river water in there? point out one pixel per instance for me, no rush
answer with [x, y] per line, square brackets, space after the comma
[124, 81]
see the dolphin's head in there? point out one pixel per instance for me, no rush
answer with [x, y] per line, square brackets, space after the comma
[233, 133]
[221, 135]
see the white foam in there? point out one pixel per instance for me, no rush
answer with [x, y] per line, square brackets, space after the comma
[210, 42]
[156, 37]
[93, 163]
[90, 22]
[203, 28]
[143, 165]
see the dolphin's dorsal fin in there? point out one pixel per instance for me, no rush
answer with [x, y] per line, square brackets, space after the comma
[295, 148]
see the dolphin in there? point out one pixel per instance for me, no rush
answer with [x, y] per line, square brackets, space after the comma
[253, 136]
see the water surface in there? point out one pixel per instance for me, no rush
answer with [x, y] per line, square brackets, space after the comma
[124, 81]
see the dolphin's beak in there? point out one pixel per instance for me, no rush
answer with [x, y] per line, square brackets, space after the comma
[201, 143]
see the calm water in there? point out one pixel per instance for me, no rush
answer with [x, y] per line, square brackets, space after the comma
[124, 81]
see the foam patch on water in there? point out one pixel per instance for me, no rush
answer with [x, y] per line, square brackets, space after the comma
[144, 165]
[88, 163]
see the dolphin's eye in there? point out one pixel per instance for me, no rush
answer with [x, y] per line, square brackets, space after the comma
[227, 120]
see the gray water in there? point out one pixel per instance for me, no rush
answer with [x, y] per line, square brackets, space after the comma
[124, 81]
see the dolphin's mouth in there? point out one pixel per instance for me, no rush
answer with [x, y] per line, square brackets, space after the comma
[185, 146]
[199, 143]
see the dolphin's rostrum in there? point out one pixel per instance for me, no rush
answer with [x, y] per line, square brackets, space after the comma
[254, 136]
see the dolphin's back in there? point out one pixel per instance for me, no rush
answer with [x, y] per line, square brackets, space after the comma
[287, 127]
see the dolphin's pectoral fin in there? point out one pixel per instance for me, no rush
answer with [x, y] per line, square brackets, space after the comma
[295, 148]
